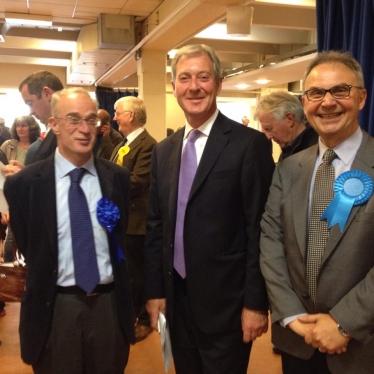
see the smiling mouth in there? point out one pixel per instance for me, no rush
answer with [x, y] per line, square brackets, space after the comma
[329, 116]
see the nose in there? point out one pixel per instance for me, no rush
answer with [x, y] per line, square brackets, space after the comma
[328, 99]
[194, 84]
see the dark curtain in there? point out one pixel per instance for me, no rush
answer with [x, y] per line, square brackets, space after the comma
[348, 25]
[106, 98]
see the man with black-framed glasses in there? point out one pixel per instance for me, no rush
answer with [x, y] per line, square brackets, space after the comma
[317, 239]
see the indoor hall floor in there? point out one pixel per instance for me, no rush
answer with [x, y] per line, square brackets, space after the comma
[145, 357]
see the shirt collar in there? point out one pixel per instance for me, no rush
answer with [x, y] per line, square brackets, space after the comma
[345, 150]
[64, 167]
[133, 135]
[204, 128]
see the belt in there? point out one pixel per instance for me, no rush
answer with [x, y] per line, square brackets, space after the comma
[76, 290]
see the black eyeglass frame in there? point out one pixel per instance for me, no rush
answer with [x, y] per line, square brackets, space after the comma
[349, 86]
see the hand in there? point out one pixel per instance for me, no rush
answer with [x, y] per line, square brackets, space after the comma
[154, 306]
[254, 324]
[105, 129]
[300, 328]
[13, 167]
[5, 218]
[324, 335]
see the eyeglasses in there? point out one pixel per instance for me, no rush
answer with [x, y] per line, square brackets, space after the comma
[340, 91]
[119, 113]
[75, 121]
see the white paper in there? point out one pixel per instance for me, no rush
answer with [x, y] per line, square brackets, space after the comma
[163, 328]
[3, 203]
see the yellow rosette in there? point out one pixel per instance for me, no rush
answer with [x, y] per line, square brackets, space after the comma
[122, 152]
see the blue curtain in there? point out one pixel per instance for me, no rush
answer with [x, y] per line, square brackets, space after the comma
[106, 98]
[348, 25]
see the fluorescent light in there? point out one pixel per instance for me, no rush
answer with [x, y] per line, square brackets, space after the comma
[27, 19]
[262, 81]
[242, 86]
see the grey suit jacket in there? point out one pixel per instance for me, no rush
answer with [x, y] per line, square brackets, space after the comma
[345, 286]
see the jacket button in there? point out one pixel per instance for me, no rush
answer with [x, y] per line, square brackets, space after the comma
[54, 272]
[169, 272]
[48, 305]
[306, 297]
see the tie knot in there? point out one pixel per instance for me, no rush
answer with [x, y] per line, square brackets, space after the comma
[329, 156]
[76, 175]
[193, 135]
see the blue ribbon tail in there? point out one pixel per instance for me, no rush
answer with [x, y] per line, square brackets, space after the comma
[338, 210]
[119, 256]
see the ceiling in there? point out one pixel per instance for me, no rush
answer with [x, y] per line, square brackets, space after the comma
[97, 42]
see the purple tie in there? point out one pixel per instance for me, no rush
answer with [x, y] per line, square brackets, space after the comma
[84, 253]
[186, 176]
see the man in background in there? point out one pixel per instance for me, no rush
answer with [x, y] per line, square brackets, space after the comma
[76, 313]
[245, 121]
[134, 153]
[4, 131]
[282, 119]
[107, 137]
[203, 230]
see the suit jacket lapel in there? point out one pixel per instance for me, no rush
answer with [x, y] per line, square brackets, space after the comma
[44, 191]
[216, 142]
[176, 141]
[300, 201]
[363, 161]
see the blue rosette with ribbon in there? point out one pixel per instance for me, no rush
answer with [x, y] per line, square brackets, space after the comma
[353, 187]
[108, 215]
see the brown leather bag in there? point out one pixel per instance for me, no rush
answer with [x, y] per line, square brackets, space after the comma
[12, 281]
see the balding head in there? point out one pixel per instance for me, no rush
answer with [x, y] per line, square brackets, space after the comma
[104, 116]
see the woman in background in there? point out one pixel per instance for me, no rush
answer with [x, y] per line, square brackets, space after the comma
[25, 130]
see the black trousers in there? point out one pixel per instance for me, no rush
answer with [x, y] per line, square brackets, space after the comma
[317, 364]
[135, 261]
[84, 337]
[195, 352]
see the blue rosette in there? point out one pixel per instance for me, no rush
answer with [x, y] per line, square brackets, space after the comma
[108, 215]
[353, 187]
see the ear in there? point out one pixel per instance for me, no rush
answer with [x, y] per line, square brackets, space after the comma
[52, 122]
[47, 93]
[362, 98]
[290, 118]
[219, 86]
[173, 85]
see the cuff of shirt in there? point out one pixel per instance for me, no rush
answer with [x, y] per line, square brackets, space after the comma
[286, 321]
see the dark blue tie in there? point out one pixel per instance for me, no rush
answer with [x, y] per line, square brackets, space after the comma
[84, 253]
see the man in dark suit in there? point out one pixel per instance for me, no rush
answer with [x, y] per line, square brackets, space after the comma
[135, 155]
[322, 302]
[216, 301]
[282, 119]
[64, 329]
[107, 137]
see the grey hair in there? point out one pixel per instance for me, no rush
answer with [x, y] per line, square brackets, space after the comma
[197, 49]
[337, 57]
[278, 104]
[135, 105]
[66, 92]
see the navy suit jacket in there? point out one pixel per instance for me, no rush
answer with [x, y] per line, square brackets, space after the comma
[222, 224]
[31, 196]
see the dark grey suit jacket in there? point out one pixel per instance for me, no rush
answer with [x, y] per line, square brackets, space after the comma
[222, 224]
[31, 197]
[345, 286]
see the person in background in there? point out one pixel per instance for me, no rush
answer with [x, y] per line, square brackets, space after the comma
[107, 138]
[36, 91]
[282, 119]
[76, 312]
[24, 131]
[318, 262]
[134, 153]
[4, 132]
[202, 242]
[245, 121]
